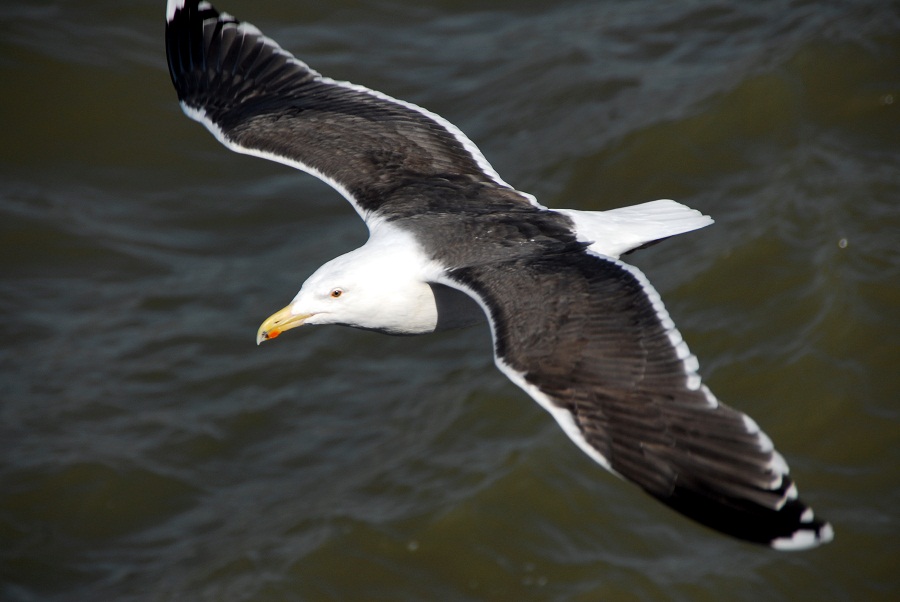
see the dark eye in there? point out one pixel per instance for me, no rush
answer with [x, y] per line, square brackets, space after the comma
[335, 293]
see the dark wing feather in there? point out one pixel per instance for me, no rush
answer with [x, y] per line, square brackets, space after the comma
[258, 99]
[589, 339]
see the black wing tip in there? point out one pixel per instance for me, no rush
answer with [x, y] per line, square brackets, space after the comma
[219, 63]
[184, 38]
[790, 526]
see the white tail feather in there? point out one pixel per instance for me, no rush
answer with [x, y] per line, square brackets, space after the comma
[618, 231]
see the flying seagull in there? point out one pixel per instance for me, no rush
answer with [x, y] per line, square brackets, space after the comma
[580, 331]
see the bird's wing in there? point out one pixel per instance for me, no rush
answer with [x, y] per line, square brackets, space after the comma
[258, 99]
[589, 339]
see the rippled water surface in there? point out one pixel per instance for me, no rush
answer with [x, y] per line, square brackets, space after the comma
[150, 451]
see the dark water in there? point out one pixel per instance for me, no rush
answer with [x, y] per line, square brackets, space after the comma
[149, 451]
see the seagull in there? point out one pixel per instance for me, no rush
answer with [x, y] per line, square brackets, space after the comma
[451, 243]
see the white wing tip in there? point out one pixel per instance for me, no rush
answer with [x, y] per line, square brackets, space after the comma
[172, 6]
[803, 539]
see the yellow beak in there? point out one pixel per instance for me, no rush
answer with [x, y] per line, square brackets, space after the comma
[278, 322]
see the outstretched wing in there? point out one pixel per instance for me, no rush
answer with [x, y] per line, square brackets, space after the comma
[258, 99]
[589, 339]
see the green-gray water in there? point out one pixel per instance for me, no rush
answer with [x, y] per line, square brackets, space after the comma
[150, 451]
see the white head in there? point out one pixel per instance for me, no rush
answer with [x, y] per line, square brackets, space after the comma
[365, 288]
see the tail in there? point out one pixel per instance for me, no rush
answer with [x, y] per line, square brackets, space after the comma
[618, 231]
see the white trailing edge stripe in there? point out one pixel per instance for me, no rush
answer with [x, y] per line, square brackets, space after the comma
[199, 115]
[562, 416]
